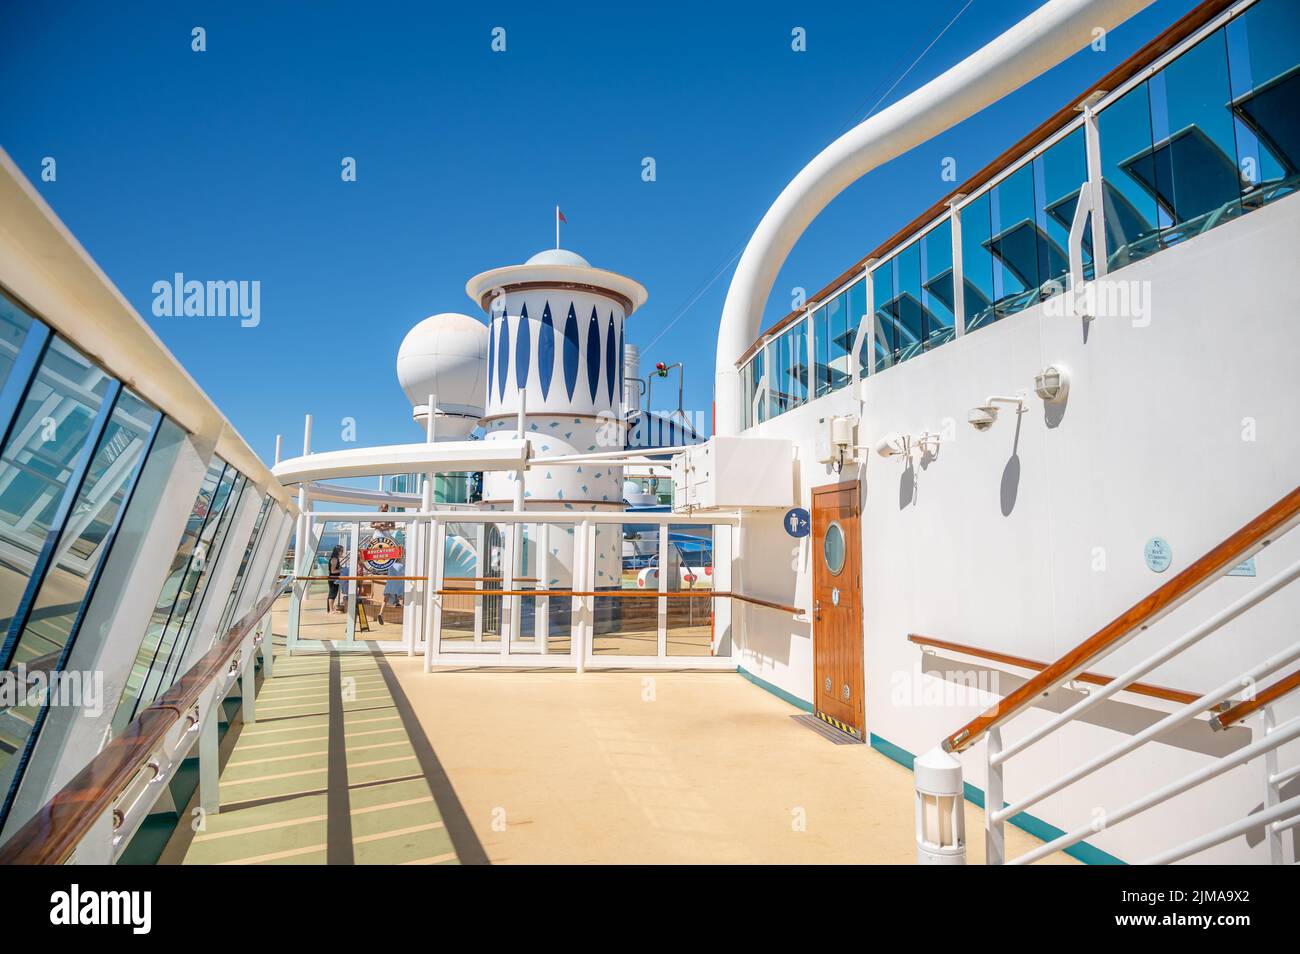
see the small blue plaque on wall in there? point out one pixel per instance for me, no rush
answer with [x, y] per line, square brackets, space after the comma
[1158, 554]
[797, 522]
[1245, 568]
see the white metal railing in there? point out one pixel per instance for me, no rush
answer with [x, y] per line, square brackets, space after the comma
[531, 560]
[1276, 815]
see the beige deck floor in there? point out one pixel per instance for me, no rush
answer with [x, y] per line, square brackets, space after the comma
[664, 768]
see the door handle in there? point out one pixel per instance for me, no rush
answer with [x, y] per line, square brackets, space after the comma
[817, 609]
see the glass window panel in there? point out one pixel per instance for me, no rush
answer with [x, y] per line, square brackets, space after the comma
[14, 324]
[627, 561]
[936, 286]
[1264, 56]
[173, 600]
[212, 544]
[473, 558]
[1061, 172]
[821, 350]
[82, 548]
[790, 386]
[547, 564]
[1132, 215]
[977, 263]
[690, 618]
[886, 330]
[1014, 242]
[856, 316]
[1193, 168]
[237, 588]
[45, 445]
[906, 308]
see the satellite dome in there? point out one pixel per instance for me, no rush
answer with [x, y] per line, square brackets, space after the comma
[446, 355]
[558, 256]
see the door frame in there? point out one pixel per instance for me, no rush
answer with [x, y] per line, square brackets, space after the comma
[858, 730]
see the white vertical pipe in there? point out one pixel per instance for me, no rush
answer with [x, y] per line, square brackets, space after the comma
[958, 271]
[1272, 792]
[994, 832]
[1092, 148]
[542, 604]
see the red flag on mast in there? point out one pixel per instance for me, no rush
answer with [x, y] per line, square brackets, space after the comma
[559, 216]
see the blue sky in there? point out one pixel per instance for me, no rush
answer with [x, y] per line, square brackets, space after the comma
[226, 164]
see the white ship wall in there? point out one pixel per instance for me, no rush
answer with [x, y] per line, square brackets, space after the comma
[994, 543]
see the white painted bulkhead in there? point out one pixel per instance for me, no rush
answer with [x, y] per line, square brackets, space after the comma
[1026, 544]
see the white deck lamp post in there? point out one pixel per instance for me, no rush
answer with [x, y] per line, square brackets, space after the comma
[940, 812]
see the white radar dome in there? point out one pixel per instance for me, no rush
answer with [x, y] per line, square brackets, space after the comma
[446, 356]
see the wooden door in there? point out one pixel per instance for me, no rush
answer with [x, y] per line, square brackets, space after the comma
[837, 607]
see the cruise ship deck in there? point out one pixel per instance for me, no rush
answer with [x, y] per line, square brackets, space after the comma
[983, 552]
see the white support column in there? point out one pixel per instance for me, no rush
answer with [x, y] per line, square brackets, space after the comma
[480, 570]
[509, 547]
[958, 285]
[1272, 792]
[661, 604]
[584, 547]
[209, 752]
[433, 603]
[1092, 146]
[994, 828]
[248, 682]
[354, 548]
[542, 604]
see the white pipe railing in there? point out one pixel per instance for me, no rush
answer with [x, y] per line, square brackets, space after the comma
[511, 583]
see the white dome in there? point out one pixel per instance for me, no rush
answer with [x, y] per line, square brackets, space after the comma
[446, 356]
[558, 256]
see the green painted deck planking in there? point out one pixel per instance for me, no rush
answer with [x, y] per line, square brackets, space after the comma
[275, 797]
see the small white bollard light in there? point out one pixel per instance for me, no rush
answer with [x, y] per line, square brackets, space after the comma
[940, 812]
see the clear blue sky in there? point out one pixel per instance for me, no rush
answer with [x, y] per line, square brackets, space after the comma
[226, 164]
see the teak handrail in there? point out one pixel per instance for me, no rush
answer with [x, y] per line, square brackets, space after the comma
[52, 834]
[1263, 698]
[1257, 533]
[631, 594]
[1020, 662]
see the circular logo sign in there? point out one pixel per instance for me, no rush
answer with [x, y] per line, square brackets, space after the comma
[1158, 554]
[797, 523]
[380, 553]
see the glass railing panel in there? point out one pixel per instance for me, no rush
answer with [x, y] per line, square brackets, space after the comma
[626, 561]
[41, 456]
[689, 627]
[15, 322]
[169, 595]
[1264, 57]
[83, 545]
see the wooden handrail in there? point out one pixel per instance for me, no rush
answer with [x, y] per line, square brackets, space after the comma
[1258, 533]
[51, 835]
[631, 594]
[1020, 662]
[1242, 709]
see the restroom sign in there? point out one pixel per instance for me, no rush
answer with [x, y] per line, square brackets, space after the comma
[797, 523]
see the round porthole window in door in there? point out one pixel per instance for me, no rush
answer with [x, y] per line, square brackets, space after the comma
[833, 548]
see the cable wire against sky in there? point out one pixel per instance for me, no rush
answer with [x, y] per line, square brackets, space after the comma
[738, 248]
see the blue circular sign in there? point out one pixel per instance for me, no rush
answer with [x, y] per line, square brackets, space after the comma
[797, 523]
[1159, 554]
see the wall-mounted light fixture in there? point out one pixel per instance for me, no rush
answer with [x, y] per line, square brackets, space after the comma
[1052, 384]
[985, 415]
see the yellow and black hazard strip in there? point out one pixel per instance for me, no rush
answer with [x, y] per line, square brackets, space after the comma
[846, 729]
